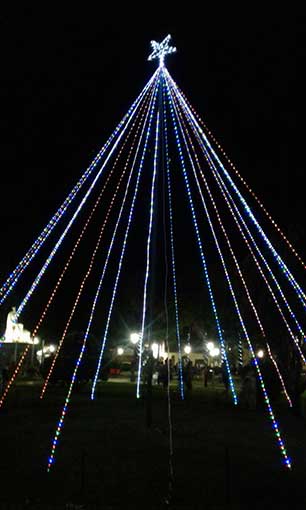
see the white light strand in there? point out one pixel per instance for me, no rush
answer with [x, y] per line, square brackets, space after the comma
[173, 265]
[124, 245]
[242, 323]
[144, 308]
[199, 241]
[237, 265]
[277, 257]
[17, 272]
[91, 263]
[64, 410]
[224, 190]
[62, 237]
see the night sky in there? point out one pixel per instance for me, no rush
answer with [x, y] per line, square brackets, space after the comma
[67, 78]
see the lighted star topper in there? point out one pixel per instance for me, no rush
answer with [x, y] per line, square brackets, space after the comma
[161, 49]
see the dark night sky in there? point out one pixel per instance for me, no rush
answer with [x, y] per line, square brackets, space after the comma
[69, 77]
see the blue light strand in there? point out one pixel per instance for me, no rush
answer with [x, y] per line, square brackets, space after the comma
[237, 265]
[63, 235]
[64, 410]
[124, 244]
[242, 323]
[173, 265]
[248, 210]
[240, 352]
[32, 252]
[206, 274]
[144, 308]
[218, 177]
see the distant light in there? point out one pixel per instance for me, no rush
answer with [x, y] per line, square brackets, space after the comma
[36, 340]
[187, 349]
[210, 346]
[134, 337]
[215, 352]
[260, 354]
[155, 349]
[120, 351]
[52, 348]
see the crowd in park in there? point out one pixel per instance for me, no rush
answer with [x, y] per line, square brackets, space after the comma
[162, 372]
[245, 378]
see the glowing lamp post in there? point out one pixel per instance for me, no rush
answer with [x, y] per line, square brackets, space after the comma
[210, 346]
[187, 349]
[134, 337]
[155, 350]
[215, 352]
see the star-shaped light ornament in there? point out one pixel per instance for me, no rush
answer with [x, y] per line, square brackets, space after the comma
[161, 49]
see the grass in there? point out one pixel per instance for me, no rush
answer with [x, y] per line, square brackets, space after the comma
[224, 457]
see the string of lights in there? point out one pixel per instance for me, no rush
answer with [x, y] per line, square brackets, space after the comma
[146, 123]
[173, 265]
[200, 246]
[32, 252]
[65, 407]
[241, 320]
[63, 235]
[144, 308]
[35, 331]
[240, 352]
[279, 308]
[95, 380]
[91, 214]
[13, 376]
[165, 169]
[279, 374]
[246, 207]
[247, 186]
[263, 333]
[222, 185]
[91, 263]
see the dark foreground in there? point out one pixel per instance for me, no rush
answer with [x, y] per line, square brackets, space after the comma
[107, 457]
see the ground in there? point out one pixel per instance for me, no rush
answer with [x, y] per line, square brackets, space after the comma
[223, 457]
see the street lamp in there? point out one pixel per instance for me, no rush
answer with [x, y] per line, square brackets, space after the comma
[187, 349]
[215, 352]
[120, 351]
[155, 349]
[260, 354]
[134, 337]
[210, 345]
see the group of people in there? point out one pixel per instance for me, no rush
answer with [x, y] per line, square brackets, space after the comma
[165, 370]
[248, 391]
